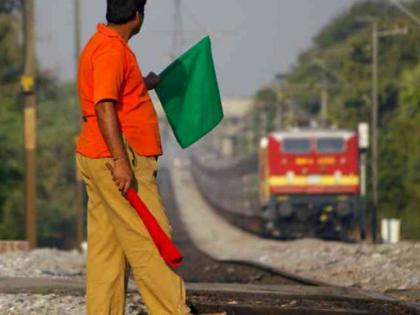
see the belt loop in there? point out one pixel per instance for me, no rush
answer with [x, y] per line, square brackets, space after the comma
[134, 158]
[130, 152]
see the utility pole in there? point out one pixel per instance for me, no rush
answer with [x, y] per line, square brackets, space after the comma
[178, 37]
[77, 31]
[28, 87]
[374, 124]
[324, 95]
[78, 198]
[324, 107]
[376, 35]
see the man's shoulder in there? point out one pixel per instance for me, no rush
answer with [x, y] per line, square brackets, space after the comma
[99, 44]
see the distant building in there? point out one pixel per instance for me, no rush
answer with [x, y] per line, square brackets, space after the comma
[225, 137]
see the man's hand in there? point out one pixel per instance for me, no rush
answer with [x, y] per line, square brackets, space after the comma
[151, 80]
[122, 174]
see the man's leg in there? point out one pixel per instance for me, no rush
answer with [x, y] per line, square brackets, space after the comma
[106, 263]
[174, 293]
[163, 291]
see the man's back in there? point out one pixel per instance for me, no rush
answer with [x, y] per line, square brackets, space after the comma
[108, 70]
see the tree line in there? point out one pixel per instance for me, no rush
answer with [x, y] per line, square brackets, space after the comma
[57, 126]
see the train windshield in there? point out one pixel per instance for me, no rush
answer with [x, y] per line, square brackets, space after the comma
[296, 145]
[330, 145]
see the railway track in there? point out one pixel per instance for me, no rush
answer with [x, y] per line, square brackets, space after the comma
[244, 287]
[199, 267]
[230, 286]
[233, 299]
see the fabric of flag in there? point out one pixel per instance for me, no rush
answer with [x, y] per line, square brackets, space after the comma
[190, 94]
[164, 244]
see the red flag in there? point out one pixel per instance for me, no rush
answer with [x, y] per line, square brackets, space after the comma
[164, 244]
[166, 247]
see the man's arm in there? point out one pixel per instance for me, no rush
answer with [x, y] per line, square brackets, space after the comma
[108, 125]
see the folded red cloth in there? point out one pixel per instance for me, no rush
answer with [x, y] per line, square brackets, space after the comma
[166, 247]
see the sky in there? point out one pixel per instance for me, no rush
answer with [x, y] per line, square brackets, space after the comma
[252, 40]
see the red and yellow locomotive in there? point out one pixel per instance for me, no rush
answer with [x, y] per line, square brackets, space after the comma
[309, 183]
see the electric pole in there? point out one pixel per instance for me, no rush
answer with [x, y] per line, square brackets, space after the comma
[77, 32]
[374, 124]
[28, 87]
[376, 35]
[178, 37]
[78, 198]
[324, 106]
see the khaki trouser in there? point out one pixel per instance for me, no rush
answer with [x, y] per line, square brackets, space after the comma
[117, 237]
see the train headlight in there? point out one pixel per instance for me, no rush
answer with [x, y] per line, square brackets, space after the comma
[338, 175]
[264, 143]
[290, 176]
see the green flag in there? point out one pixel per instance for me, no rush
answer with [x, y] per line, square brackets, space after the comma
[190, 95]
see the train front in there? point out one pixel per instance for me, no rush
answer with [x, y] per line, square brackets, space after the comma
[309, 183]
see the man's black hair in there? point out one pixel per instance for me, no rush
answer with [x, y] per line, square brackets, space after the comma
[123, 11]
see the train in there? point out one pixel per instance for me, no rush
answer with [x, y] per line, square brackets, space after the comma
[309, 184]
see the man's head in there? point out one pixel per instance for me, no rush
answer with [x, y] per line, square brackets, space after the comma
[128, 12]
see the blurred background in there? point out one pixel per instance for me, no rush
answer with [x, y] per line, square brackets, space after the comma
[281, 64]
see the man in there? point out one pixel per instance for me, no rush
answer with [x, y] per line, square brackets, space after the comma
[120, 126]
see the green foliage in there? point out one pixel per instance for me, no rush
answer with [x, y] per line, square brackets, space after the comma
[57, 127]
[11, 139]
[401, 177]
[57, 117]
[347, 24]
[11, 174]
[267, 95]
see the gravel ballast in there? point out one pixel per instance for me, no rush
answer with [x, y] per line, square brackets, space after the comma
[52, 304]
[376, 267]
[39, 263]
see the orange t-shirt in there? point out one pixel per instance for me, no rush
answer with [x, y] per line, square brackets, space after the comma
[108, 70]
